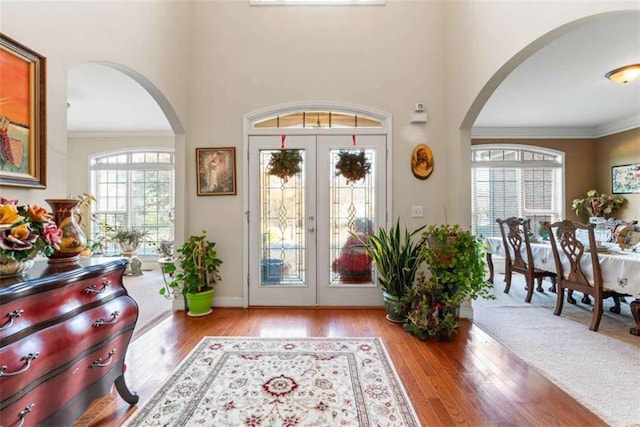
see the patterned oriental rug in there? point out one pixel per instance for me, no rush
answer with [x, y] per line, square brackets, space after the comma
[227, 381]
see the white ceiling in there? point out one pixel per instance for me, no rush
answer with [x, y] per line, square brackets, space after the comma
[558, 91]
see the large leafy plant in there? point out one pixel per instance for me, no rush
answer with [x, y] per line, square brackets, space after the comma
[455, 259]
[199, 264]
[396, 255]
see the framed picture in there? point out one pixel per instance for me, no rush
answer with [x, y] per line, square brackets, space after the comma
[23, 133]
[625, 179]
[216, 168]
[421, 161]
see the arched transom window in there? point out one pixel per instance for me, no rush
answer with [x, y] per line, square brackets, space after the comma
[317, 119]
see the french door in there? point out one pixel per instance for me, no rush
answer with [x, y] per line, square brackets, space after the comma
[301, 251]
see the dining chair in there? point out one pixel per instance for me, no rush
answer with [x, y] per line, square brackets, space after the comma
[518, 255]
[571, 275]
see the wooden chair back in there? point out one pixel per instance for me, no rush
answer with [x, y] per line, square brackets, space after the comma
[515, 238]
[564, 241]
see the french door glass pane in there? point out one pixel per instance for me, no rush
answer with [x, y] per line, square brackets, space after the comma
[352, 208]
[282, 223]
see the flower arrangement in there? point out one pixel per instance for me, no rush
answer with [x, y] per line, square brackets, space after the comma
[284, 164]
[26, 231]
[597, 204]
[353, 165]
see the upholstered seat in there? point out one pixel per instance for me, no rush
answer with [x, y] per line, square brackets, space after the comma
[519, 259]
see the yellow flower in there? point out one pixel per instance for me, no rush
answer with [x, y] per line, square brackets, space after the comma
[21, 232]
[9, 216]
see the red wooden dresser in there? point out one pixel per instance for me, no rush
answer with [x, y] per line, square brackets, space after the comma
[64, 333]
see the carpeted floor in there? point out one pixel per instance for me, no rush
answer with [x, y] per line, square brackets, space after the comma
[599, 369]
[152, 307]
[228, 381]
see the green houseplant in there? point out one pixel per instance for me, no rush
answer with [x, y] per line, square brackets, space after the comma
[199, 264]
[455, 259]
[397, 257]
[129, 238]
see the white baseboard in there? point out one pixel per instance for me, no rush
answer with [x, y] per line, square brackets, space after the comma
[178, 303]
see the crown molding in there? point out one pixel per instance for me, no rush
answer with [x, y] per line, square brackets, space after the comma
[619, 126]
[133, 134]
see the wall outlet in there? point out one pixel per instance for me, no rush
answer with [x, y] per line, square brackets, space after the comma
[417, 211]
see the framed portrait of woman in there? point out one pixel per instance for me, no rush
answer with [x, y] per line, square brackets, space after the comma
[422, 161]
[216, 168]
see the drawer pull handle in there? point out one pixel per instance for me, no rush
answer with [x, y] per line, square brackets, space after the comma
[92, 289]
[13, 315]
[28, 358]
[100, 364]
[114, 319]
[23, 414]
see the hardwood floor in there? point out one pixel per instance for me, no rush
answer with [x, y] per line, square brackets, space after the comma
[472, 380]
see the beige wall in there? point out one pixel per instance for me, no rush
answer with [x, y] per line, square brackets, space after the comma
[578, 152]
[619, 149]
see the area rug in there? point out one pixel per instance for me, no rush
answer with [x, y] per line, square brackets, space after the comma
[599, 369]
[228, 381]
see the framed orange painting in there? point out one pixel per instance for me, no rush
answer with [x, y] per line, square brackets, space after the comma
[23, 134]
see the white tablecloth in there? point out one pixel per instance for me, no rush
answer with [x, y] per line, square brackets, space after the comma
[620, 269]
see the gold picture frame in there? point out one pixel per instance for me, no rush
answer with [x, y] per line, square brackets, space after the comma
[216, 171]
[23, 133]
[422, 161]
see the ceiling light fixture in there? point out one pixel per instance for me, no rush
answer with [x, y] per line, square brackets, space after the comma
[624, 74]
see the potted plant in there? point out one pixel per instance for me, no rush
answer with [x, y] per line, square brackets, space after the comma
[455, 259]
[129, 238]
[353, 165]
[199, 265]
[284, 164]
[599, 205]
[397, 257]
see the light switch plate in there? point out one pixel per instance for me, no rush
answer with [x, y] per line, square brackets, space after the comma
[417, 211]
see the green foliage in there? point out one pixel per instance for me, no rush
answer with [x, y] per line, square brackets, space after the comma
[284, 164]
[455, 259]
[396, 255]
[128, 236]
[199, 264]
[353, 165]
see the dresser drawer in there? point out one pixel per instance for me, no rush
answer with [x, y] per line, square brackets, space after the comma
[65, 390]
[34, 359]
[19, 315]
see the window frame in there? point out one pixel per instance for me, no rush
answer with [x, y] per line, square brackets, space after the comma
[519, 165]
[147, 250]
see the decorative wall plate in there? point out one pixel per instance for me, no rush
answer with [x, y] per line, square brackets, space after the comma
[421, 161]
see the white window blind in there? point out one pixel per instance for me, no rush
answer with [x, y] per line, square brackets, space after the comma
[511, 180]
[134, 189]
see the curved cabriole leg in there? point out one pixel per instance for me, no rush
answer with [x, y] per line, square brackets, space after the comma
[529, 289]
[570, 298]
[560, 300]
[507, 280]
[553, 285]
[539, 288]
[597, 314]
[616, 305]
[124, 392]
[634, 306]
[585, 299]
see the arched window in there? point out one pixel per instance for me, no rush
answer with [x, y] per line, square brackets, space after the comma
[515, 180]
[135, 188]
[317, 119]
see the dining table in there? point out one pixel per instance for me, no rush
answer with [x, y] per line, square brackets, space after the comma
[620, 268]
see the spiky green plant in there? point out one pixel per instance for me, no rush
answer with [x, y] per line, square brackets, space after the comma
[396, 255]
